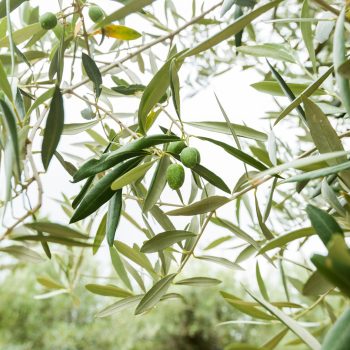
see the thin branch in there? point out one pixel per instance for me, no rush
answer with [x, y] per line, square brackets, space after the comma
[110, 114]
[161, 39]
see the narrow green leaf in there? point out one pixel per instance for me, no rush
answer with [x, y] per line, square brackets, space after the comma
[40, 100]
[323, 172]
[79, 197]
[306, 31]
[274, 88]
[56, 229]
[264, 229]
[231, 30]
[281, 241]
[285, 88]
[23, 34]
[305, 94]
[135, 275]
[134, 255]
[316, 285]
[49, 283]
[211, 177]
[54, 239]
[10, 122]
[175, 86]
[164, 240]
[300, 163]
[68, 166]
[153, 296]
[217, 242]
[108, 290]
[275, 340]
[157, 184]
[237, 231]
[53, 128]
[338, 337]
[221, 261]
[245, 307]
[201, 207]
[326, 267]
[93, 73]
[23, 253]
[244, 157]
[119, 306]
[13, 5]
[324, 136]
[199, 282]
[240, 346]
[323, 223]
[162, 218]
[129, 150]
[344, 69]
[4, 83]
[331, 198]
[101, 192]
[132, 175]
[153, 93]
[222, 128]
[339, 57]
[271, 50]
[119, 268]
[261, 283]
[113, 216]
[100, 234]
[293, 325]
[76, 128]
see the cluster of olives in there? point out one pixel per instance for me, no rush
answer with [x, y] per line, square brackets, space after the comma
[189, 157]
[49, 20]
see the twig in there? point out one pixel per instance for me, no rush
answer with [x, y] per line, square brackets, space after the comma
[112, 65]
[110, 114]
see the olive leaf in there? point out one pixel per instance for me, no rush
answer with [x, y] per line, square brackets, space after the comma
[93, 73]
[153, 296]
[53, 128]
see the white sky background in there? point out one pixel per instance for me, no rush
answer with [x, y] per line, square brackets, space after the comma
[242, 103]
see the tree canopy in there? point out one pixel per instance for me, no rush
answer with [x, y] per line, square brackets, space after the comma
[138, 162]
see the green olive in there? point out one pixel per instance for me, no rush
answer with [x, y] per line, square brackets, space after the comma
[176, 147]
[48, 21]
[175, 176]
[190, 157]
[96, 14]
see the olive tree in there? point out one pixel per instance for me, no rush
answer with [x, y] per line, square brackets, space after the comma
[294, 186]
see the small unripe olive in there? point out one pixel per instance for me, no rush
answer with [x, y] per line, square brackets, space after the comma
[96, 14]
[175, 176]
[190, 157]
[48, 21]
[176, 147]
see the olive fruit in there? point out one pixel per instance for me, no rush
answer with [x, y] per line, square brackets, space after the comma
[176, 147]
[96, 14]
[190, 157]
[48, 21]
[175, 176]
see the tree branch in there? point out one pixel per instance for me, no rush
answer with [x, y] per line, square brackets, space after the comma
[112, 65]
